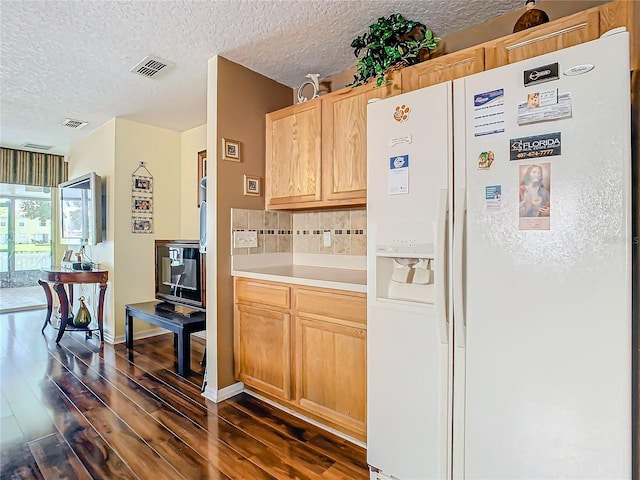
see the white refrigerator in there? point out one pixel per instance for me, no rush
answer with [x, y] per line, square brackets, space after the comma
[499, 272]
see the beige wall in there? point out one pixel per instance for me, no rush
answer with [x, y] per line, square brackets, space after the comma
[96, 153]
[159, 148]
[238, 100]
[114, 151]
[193, 141]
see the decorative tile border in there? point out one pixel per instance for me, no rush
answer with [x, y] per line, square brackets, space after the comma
[335, 232]
[303, 232]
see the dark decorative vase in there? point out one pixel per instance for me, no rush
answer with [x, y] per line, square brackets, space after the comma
[83, 317]
[531, 18]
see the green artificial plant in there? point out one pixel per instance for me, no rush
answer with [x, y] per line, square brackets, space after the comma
[390, 43]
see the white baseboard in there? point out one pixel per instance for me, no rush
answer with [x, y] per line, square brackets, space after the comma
[147, 333]
[307, 419]
[224, 393]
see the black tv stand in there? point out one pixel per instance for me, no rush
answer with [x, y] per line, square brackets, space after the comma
[182, 326]
[177, 309]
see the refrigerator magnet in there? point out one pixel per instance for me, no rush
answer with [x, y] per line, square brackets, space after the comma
[542, 99]
[399, 175]
[401, 113]
[544, 73]
[546, 145]
[534, 189]
[485, 160]
[493, 198]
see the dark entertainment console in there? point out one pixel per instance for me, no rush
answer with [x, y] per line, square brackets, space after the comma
[182, 321]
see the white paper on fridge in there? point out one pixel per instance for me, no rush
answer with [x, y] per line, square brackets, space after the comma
[488, 113]
[548, 108]
[399, 175]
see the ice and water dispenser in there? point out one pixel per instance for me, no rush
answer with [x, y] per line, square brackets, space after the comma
[405, 271]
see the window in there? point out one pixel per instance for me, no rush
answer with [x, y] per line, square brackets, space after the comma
[21, 223]
[43, 223]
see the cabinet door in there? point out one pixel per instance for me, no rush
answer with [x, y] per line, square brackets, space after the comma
[331, 366]
[344, 140]
[262, 354]
[293, 155]
[330, 351]
[440, 69]
[566, 32]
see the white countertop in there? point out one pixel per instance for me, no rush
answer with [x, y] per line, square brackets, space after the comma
[311, 276]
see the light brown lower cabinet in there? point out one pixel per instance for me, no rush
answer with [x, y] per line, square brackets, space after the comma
[263, 349]
[309, 357]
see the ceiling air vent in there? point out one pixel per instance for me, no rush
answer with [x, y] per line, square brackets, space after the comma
[71, 123]
[35, 146]
[152, 66]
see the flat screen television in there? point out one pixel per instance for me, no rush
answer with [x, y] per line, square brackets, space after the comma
[180, 274]
[81, 210]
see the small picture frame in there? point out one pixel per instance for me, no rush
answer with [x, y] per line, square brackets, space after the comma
[67, 255]
[141, 184]
[142, 204]
[252, 185]
[230, 150]
[141, 225]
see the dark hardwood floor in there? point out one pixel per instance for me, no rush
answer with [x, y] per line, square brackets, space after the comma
[79, 411]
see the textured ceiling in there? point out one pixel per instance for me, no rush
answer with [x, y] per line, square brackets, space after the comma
[71, 59]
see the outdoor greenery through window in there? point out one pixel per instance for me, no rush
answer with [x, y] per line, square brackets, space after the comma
[25, 233]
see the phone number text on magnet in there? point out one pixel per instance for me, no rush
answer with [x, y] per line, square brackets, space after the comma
[538, 153]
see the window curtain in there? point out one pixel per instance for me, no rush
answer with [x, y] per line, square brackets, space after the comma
[31, 168]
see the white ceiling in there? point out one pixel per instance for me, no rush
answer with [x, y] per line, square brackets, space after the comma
[71, 58]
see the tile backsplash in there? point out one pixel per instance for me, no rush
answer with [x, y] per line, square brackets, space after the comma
[303, 232]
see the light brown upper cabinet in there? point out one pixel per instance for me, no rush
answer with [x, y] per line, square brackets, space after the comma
[565, 32]
[344, 140]
[623, 13]
[293, 155]
[316, 153]
[441, 69]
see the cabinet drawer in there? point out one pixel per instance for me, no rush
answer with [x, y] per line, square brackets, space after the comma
[350, 307]
[263, 293]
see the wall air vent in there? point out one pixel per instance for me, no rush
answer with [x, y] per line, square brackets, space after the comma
[152, 66]
[35, 146]
[71, 123]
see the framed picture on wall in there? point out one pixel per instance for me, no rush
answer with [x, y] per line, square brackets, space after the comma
[141, 225]
[142, 204]
[230, 150]
[141, 184]
[251, 185]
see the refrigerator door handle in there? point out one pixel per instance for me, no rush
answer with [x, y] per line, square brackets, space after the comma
[459, 227]
[441, 266]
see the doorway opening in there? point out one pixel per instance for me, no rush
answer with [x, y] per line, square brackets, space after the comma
[26, 233]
